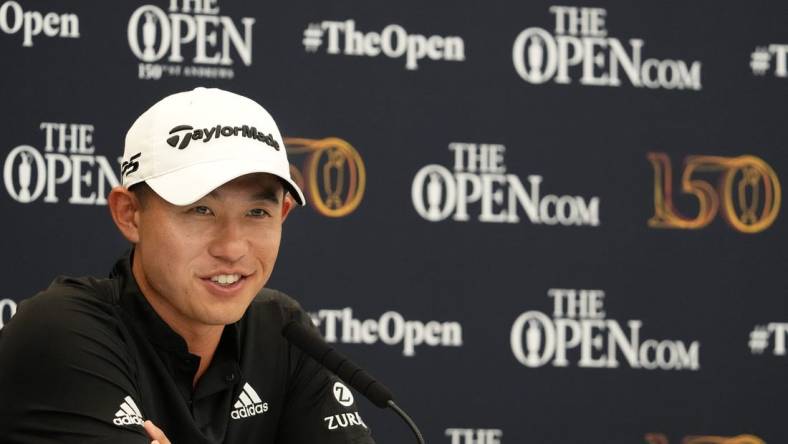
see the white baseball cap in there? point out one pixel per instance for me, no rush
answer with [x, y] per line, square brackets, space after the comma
[190, 143]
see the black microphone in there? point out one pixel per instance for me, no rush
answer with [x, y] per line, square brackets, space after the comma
[315, 347]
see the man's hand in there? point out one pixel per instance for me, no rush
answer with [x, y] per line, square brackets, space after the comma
[155, 433]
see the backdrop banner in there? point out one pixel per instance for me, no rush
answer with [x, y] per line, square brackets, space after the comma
[535, 222]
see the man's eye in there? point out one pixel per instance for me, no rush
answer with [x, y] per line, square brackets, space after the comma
[200, 209]
[258, 212]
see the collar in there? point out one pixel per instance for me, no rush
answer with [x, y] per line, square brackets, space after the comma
[224, 368]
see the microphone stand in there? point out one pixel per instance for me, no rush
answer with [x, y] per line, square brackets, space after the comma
[407, 419]
[314, 346]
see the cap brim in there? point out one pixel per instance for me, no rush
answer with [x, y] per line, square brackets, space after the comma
[188, 185]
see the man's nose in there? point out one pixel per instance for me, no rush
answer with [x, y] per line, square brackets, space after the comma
[229, 243]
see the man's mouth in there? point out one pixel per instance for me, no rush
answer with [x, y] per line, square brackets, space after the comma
[226, 279]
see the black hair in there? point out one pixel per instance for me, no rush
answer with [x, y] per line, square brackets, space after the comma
[143, 191]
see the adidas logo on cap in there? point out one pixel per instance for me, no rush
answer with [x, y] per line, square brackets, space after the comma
[248, 404]
[128, 414]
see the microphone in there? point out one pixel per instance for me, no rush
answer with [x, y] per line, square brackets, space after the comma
[315, 347]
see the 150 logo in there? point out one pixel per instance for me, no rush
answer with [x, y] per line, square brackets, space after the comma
[748, 192]
[332, 176]
[659, 438]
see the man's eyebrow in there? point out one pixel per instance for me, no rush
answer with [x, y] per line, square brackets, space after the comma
[269, 194]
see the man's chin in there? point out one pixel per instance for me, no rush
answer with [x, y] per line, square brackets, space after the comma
[215, 321]
[217, 311]
[224, 317]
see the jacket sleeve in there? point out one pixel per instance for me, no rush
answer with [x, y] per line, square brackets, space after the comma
[319, 407]
[65, 374]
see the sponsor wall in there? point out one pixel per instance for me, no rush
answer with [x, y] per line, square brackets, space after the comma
[538, 222]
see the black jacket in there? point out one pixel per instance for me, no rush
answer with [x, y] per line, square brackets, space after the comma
[87, 360]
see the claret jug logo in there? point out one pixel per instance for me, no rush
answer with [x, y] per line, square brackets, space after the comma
[215, 132]
[479, 183]
[14, 19]
[68, 165]
[580, 47]
[190, 28]
[332, 177]
[580, 321]
[748, 192]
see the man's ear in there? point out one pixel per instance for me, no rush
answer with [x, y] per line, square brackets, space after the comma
[124, 206]
[287, 204]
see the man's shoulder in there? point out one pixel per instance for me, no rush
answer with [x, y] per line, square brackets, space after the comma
[67, 301]
[86, 291]
[66, 349]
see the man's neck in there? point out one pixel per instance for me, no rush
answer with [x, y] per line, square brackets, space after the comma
[202, 344]
[201, 340]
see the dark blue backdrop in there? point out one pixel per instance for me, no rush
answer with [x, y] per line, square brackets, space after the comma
[535, 223]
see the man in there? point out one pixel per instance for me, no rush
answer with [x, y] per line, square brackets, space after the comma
[182, 341]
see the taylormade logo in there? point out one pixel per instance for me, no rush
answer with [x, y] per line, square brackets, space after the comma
[208, 134]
